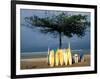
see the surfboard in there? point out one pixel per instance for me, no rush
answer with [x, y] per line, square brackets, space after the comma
[76, 58]
[69, 56]
[57, 58]
[51, 58]
[65, 57]
[61, 57]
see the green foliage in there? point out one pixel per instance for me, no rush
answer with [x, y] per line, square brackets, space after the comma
[61, 24]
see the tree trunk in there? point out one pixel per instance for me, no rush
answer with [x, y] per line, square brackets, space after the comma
[60, 41]
[68, 42]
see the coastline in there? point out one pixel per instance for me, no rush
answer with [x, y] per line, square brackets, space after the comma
[41, 62]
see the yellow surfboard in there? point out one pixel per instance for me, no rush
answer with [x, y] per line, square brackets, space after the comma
[69, 55]
[65, 57]
[57, 58]
[61, 56]
[51, 58]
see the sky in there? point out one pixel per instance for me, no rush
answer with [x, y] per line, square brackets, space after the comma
[34, 41]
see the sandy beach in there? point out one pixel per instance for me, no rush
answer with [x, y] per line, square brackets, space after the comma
[41, 62]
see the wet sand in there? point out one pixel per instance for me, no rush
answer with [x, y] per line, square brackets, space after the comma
[41, 62]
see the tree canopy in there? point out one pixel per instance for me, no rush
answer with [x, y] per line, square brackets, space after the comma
[60, 25]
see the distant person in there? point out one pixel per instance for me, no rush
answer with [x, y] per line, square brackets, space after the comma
[81, 55]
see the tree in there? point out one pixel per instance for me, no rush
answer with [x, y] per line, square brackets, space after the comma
[60, 25]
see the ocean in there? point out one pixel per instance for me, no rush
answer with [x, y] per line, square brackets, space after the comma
[25, 55]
